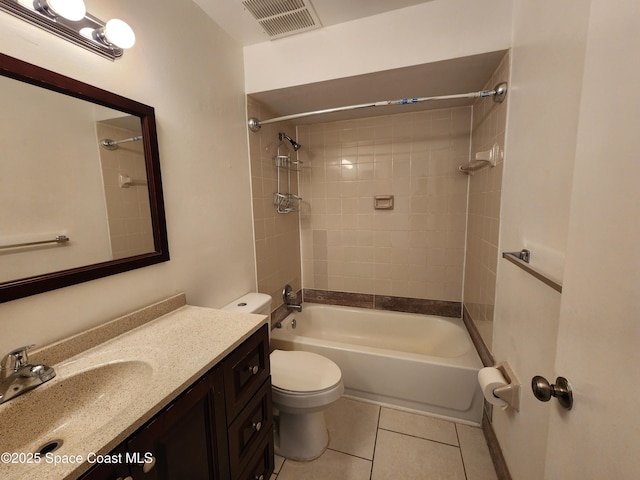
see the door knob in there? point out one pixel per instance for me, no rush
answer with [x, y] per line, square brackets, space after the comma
[561, 390]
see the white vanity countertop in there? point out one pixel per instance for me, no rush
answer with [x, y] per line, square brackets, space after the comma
[158, 360]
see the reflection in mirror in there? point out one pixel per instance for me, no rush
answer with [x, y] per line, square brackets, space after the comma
[125, 186]
[78, 162]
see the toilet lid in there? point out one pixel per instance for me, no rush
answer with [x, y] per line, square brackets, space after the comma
[299, 371]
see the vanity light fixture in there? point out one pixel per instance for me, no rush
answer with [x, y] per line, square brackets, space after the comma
[116, 32]
[69, 19]
[69, 9]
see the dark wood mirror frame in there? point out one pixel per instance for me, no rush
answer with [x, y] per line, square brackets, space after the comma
[25, 72]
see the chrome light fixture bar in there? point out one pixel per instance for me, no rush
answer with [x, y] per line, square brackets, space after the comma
[81, 28]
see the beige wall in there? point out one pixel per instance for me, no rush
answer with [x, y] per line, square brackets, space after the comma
[548, 51]
[424, 33]
[599, 332]
[415, 250]
[192, 73]
[483, 220]
[277, 235]
[568, 192]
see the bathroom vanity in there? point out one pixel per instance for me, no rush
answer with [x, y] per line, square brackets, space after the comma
[198, 440]
[203, 409]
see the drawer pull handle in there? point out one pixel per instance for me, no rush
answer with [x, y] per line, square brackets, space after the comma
[261, 477]
[254, 369]
[257, 426]
[148, 466]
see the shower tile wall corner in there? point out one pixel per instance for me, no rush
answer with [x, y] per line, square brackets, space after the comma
[277, 236]
[485, 188]
[415, 250]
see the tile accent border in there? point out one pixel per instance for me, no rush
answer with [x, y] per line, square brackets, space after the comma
[483, 351]
[68, 347]
[384, 302]
[488, 361]
[499, 463]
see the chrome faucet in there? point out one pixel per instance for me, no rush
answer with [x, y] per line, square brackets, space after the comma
[17, 376]
[289, 296]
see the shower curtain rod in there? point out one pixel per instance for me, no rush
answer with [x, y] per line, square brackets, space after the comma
[498, 94]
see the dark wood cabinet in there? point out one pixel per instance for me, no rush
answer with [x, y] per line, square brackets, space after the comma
[218, 429]
[246, 432]
[188, 439]
[110, 471]
[245, 369]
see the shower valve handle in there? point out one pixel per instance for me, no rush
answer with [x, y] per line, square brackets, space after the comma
[288, 295]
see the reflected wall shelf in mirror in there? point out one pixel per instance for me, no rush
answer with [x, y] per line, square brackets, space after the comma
[37, 175]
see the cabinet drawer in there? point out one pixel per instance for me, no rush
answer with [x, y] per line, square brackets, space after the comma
[245, 369]
[250, 428]
[261, 465]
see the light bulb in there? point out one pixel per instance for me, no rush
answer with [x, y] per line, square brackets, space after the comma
[119, 33]
[70, 9]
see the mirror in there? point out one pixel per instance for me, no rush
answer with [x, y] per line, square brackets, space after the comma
[80, 187]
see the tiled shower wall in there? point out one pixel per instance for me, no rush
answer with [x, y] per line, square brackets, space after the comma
[128, 210]
[277, 236]
[415, 250]
[489, 122]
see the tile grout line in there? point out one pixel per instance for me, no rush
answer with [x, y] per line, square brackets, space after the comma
[375, 442]
[423, 438]
[347, 454]
[464, 467]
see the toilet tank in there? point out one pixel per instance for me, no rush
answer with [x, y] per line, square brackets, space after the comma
[253, 302]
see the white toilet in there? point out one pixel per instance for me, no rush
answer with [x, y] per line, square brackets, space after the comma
[304, 384]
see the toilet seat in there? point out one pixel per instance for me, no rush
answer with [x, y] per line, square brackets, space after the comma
[303, 373]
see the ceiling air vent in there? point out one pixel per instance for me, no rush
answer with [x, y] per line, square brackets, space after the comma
[280, 18]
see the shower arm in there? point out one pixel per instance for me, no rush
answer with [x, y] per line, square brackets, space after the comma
[498, 93]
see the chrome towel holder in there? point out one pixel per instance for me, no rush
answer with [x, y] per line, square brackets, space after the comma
[58, 239]
[522, 259]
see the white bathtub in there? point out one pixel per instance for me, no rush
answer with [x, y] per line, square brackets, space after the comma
[418, 362]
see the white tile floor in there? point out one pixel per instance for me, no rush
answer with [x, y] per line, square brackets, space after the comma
[369, 442]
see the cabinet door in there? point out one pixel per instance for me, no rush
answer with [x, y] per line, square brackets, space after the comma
[109, 471]
[188, 439]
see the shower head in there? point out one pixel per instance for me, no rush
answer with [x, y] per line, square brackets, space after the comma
[296, 146]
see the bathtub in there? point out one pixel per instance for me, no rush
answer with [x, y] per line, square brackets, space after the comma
[417, 362]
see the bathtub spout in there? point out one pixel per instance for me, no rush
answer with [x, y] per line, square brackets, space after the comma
[295, 308]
